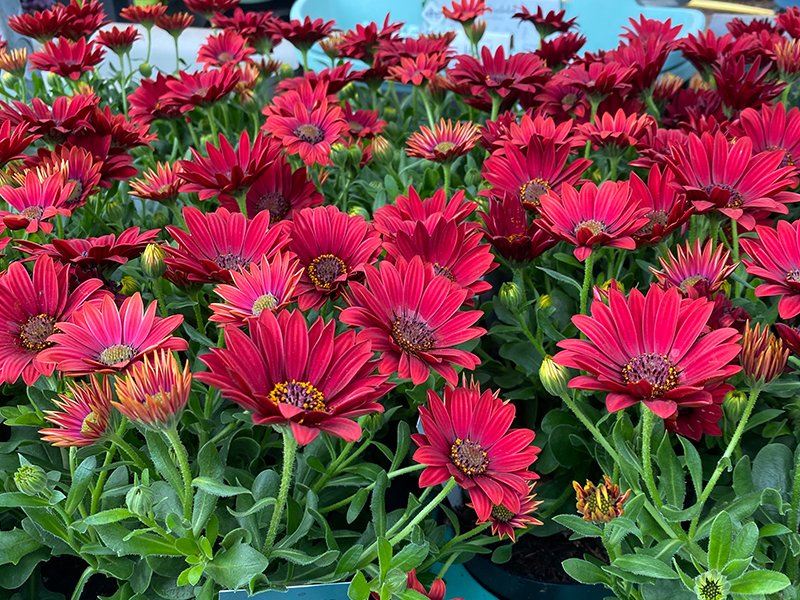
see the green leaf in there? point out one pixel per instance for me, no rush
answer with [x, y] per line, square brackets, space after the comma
[14, 545]
[258, 506]
[163, 462]
[583, 571]
[502, 554]
[760, 582]
[20, 500]
[772, 468]
[384, 556]
[235, 567]
[402, 445]
[378, 504]
[301, 558]
[719, 543]
[411, 556]
[561, 277]
[647, 566]
[104, 518]
[671, 480]
[80, 483]
[693, 464]
[357, 505]
[218, 489]
[736, 567]
[579, 526]
[359, 588]
[744, 545]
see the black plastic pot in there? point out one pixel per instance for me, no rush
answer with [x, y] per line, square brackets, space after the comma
[507, 586]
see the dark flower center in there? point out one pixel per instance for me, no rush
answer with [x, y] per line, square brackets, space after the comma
[275, 203]
[443, 271]
[412, 334]
[325, 269]
[231, 261]
[593, 225]
[116, 354]
[264, 302]
[34, 332]
[598, 503]
[310, 133]
[710, 589]
[298, 393]
[469, 456]
[793, 276]
[534, 189]
[657, 217]
[569, 100]
[653, 368]
[496, 78]
[735, 199]
[32, 213]
[443, 147]
[788, 159]
[501, 513]
[355, 126]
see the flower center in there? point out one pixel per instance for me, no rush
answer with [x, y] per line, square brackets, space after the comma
[598, 503]
[224, 57]
[443, 271]
[711, 589]
[32, 213]
[325, 270]
[34, 332]
[113, 355]
[443, 147]
[275, 203]
[231, 261]
[496, 78]
[692, 281]
[735, 199]
[310, 133]
[657, 217]
[534, 189]
[300, 394]
[412, 334]
[653, 368]
[90, 423]
[593, 225]
[788, 159]
[265, 302]
[793, 276]
[501, 513]
[469, 456]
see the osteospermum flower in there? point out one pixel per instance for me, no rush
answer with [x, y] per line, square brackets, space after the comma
[467, 435]
[412, 317]
[666, 206]
[190, 90]
[600, 503]
[161, 184]
[304, 34]
[145, 15]
[775, 258]
[154, 391]
[268, 285]
[101, 338]
[226, 47]
[149, 101]
[411, 209]
[66, 58]
[592, 217]
[418, 70]
[30, 307]
[533, 171]
[14, 61]
[309, 133]
[175, 23]
[504, 521]
[445, 142]
[76, 166]
[41, 25]
[509, 229]
[618, 130]
[219, 242]
[334, 248]
[695, 271]
[667, 363]
[772, 128]
[119, 41]
[82, 416]
[465, 11]
[694, 422]
[436, 592]
[363, 41]
[741, 84]
[14, 140]
[36, 201]
[545, 23]
[561, 49]
[281, 191]
[764, 355]
[208, 8]
[287, 373]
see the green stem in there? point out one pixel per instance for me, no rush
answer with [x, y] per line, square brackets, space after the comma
[794, 515]
[127, 450]
[289, 453]
[406, 531]
[648, 421]
[496, 100]
[101, 479]
[183, 464]
[85, 576]
[428, 108]
[723, 462]
[391, 475]
[122, 86]
[198, 315]
[149, 45]
[304, 54]
[587, 282]
[446, 172]
[177, 55]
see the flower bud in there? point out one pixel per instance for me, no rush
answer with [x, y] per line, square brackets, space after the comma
[473, 178]
[145, 69]
[358, 211]
[285, 71]
[763, 355]
[153, 261]
[600, 503]
[31, 480]
[475, 31]
[511, 296]
[355, 154]
[381, 148]
[139, 499]
[128, 286]
[339, 154]
[544, 302]
[554, 377]
[733, 405]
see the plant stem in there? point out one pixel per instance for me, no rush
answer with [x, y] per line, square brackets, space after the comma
[85, 576]
[446, 172]
[735, 248]
[794, 514]
[587, 282]
[122, 86]
[127, 450]
[391, 475]
[496, 100]
[101, 479]
[304, 54]
[428, 109]
[289, 452]
[177, 55]
[406, 531]
[723, 462]
[149, 45]
[183, 464]
[648, 421]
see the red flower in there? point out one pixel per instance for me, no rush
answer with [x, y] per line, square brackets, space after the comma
[695, 271]
[66, 58]
[309, 133]
[790, 336]
[504, 521]
[693, 422]
[149, 102]
[202, 88]
[597, 80]
[465, 11]
[771, 128]
[41, 25]
[543, 129]
[467, 436]
[304, 34]
[228, 172]
[82, 416]
[220, 242]
[270, 285]
[437, 591]
[650, 349]
[334, 248]
[285, 372]
[704, 48]
[411, 47]
[145, 15]
[176, 23]
[533, 171]
[546, 24]
[208, 8]
[260, 29]
[32, 305]
[36, 202]
[412, 317]
[419, 70]
[101, 338]
[742, 85]
[82, 19]
[507, 226]
[666, 206]
[76, 165]
[775, 258]
[593, 217]
[618, 130]
[445, 142]
[14, 140]
[787, 59]
[363, 123]
[560, 50]
[161, 184]
[722, 175]
[409, 210]
[363, 42]
[224, 48]
[119, 41]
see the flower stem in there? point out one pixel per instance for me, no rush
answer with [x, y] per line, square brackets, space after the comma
[428, 108]
[391, 475]
[406, 531]
[126, 448]
[587, 282]
[446, 173]
[496, 100]
[149, 45]
[122, 86]
[289, 453]
[648, 421]
[183, 464]
[735, 248]
[85, 576]
[101, 479]
[177, 55]
[724, 462]
[304, 54]
[794, 514]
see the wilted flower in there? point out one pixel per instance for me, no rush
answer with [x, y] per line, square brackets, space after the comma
[600, 503]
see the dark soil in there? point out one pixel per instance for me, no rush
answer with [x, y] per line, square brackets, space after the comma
[61, 574]
[540, 558]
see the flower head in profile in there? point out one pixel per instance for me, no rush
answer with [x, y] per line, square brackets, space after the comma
[119, 41]
[436, 592]
[224, 48]
[287, 373]
[695, 271]
[14, 140]
[304, 34]
[411, 209]
[188, 91]
[208, 8]
[600, 503]
[666, 206]
[445, 142]
[465, 11]
[145, 15]
[511, 231]
[505, 522]
[694, 422]
[468, 436]
[545, 23]
[67, 58]
[161, 184]
[764, 355]
[82, 414]
[176, 23]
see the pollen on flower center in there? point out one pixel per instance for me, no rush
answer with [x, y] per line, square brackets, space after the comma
[310, 133]
[325, 269]
[412, 333]
[655, 369]
[90, 422]
[32, 212]
[298, 393]
[275, 203]
[593, 225]
[34, 332]
[793, 276]
[501, 513]
[735, 199]
[788, 159]
[231, 261]
[116, 354]
[469, 456]
[444, 147]
[443, 271]
[692, 281]
[531, 191]
[264, 302]
[656, 217]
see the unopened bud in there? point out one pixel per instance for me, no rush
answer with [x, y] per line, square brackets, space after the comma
[285, 71]
[554, 377]
[145, 69]
[511, 296]
[473, 178]
[139, 500]
[153, 261]
[544, 302]
[31, 480]
[381, 148]
[358, 211]
[734, 404]
[128, 286]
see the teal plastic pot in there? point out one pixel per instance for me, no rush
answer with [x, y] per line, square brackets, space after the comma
[321, 591]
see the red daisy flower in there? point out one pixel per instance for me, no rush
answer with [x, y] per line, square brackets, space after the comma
[789, 21]
[14, 62]
[220, 242]
[412, 317]
[202, 88]
[445, 142]
[741, 84]
[363, 123]
[790, 336]
[411, 47]
[693, 422]
[363, 42]
[176, 23]
[546, 24]
[101, 338]
[66, 58]
[334, 248]
[228, 172]
[598, 79]
[14, 140]
[593, 217]
[304, 34]
[280, 191]
[467, 436]
[208, 8]
[75, 165]
[666, 206]
[260, 29]
[704, 48]
[617, 131]
[454, 250]
[226, 47]
[533, 171]
[722, 175]
[504, 521]
[508, 228]
[787, 59]
[409, 210]
[119, 41]
[285, 372]
[419, 70]
[771, 128]
[145, 15]
[309, 133]
[36, 202]
[82, 416]
[560, 50]
[655, 146]
[562, 100]
[161, 184]
[82, 19]
[465, 11]
[41, 25]
[270, 285]
[495, 133]
[149, 102]
[695, 271]
[650, 349]
[32, 305]
[775, 258]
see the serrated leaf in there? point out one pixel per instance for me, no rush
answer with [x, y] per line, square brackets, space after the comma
[218, 489]
[579, 526]
[760, 582]
[646, 566]
[80, 483]
[719, 543]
